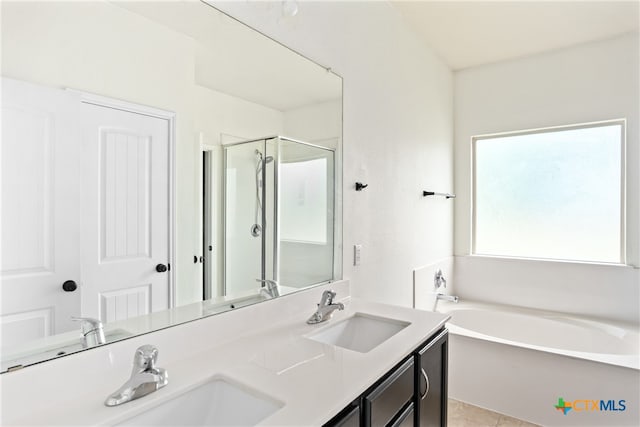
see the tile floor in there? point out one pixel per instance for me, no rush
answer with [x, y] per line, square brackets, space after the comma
[462, 414]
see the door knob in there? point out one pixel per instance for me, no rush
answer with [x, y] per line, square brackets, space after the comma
[69, 286]
[161, 268]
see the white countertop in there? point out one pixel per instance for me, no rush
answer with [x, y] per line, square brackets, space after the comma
[269, 355]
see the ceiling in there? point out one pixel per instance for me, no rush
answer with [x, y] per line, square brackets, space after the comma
[471, 33]
[234, 59]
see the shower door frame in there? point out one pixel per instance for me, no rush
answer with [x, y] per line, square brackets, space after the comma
[276, 191]
[263, 243]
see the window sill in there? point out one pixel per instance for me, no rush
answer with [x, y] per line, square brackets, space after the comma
[551, 260]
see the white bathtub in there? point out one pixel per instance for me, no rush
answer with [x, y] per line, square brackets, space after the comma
[616, 344]
[519, 362]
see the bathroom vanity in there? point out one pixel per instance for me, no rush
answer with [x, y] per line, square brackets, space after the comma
[262, 365]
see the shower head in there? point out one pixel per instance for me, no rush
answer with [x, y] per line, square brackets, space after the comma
[266, 160]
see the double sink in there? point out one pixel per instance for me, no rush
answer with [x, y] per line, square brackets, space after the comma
[224, 402]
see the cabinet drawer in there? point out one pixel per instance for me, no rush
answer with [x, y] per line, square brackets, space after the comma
[390, 397]
[406, 418]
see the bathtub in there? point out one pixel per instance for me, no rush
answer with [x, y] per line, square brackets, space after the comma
[520, 361]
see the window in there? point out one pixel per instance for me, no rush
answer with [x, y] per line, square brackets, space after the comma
[303, 191]
[554, 193]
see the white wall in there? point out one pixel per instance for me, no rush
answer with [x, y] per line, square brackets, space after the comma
[317, 123]
[590, 82]
[397, 134]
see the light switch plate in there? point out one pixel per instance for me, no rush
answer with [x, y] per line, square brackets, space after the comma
[357, 254]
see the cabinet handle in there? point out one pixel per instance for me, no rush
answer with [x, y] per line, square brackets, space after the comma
[426, 380]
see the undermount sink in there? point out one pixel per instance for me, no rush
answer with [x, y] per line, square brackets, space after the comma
[360, 332]
[216, 403]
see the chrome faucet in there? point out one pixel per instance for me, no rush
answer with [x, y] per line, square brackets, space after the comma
[145, 377]
[444, 297]
[440, 282]
[92, 331]
[270, 288]
[325, 308]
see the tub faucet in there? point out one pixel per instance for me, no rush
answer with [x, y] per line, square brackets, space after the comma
[145, 377]
[452, 298]
[440, 282]
[270, 288]
[325, 308]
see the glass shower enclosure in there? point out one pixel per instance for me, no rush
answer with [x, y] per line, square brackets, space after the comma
[279, 217]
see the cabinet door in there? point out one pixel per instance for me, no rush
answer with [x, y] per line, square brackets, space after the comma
[349, 417]
[391, 396]
[432, 382]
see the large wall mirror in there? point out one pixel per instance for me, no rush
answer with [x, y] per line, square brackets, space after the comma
[161, 162]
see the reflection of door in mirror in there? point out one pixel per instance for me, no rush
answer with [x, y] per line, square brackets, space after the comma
[207, 272]
[40, 211]
[125, 213]
[81, 203]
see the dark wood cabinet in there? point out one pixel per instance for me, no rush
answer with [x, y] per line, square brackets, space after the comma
[386, 400]
[431, 390]
[413, 393]
[405, 418]
[349, 417]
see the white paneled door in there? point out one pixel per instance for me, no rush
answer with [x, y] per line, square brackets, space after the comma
[125, 205]
[40, 244]
[85, 211]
